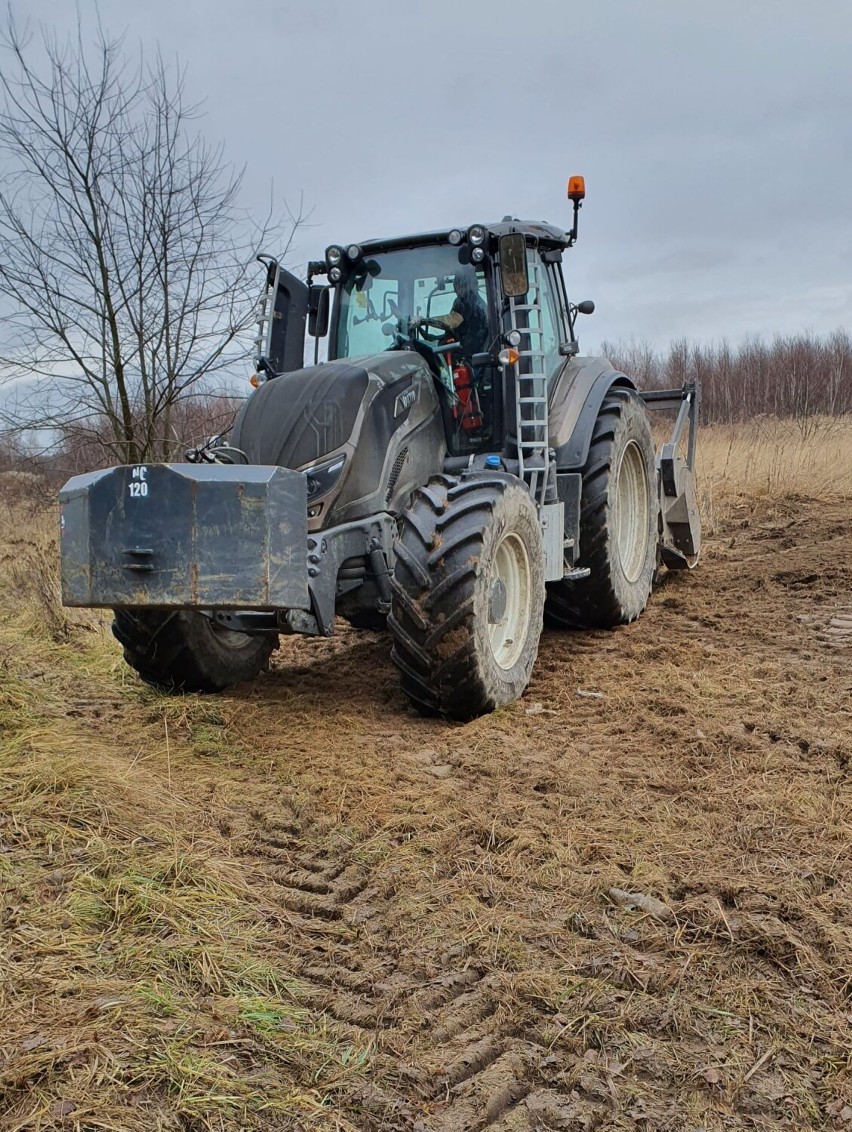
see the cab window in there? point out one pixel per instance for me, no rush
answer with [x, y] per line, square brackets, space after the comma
[542, 292]
[379, 300]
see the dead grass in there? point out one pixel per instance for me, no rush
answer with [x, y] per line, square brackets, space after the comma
[773, 458]
[141, 985]
[298, 904]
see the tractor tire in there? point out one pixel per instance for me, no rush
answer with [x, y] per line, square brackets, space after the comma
[619, 514]
[185, 652]
[468, 596]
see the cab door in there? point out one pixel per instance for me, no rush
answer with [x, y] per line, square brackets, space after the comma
[281, 324]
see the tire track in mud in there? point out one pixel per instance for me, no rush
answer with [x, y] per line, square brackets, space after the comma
[317, 886]
[458, 1044]
[833, 630]
[446, 1058]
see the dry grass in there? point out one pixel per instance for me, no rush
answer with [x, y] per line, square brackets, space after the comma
[299, 905]
[140, 981]
[768, 458]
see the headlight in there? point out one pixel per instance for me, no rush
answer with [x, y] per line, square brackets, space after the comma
[354, 253]
[513, 338]
[335, 274]
[476, 235]
[477, 255]
[455, 237]
[333, 255]
[322, 477]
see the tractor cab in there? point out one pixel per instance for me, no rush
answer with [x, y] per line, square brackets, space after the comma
[485, 307]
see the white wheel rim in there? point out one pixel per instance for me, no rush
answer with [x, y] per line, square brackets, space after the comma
[509, 619]
[632, 509]
[230, 638]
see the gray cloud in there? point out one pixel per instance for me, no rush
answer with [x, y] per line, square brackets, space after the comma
[715, 138]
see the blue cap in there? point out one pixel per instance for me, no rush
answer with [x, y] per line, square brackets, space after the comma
[493, 462]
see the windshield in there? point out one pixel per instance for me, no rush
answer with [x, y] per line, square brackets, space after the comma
[418, 293]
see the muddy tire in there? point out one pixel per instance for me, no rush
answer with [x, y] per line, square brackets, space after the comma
[618, 522]
[468, 596]
[185, 652]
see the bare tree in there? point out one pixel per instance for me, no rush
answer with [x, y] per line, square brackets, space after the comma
[124, 255]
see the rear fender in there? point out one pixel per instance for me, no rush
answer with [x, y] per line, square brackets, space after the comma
[575, 402]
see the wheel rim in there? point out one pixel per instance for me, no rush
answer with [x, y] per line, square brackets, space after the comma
[632, 508]
[230, 638]
[509, 601]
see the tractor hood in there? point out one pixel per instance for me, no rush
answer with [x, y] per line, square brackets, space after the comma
[298, 418]
[348, 423]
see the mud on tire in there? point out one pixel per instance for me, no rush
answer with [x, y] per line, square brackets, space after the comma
[618, 522]
[468, 596]
[184, 652]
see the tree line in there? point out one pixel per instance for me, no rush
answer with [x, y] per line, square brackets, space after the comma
[798, 376]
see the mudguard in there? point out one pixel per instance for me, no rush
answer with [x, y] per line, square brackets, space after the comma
[575, 401]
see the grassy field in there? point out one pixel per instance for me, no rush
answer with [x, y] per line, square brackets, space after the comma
[624, 902]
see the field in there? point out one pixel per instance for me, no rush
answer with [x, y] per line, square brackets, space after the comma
[624, 902]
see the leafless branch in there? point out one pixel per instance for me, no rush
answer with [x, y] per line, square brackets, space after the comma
[126, 261]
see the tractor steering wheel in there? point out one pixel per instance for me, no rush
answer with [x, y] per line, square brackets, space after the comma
[435, 338]
[440, 344]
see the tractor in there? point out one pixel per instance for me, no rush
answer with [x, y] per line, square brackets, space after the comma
[454, 472]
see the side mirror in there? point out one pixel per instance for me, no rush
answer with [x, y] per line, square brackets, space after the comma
[318, 306]
[586, 307]
[513, 265]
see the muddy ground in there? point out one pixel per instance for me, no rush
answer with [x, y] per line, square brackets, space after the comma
[464, 906]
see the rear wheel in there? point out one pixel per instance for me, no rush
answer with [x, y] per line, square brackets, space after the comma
[618, 522]
[468, 596]
[185, 651]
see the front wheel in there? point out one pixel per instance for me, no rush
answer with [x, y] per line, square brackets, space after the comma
[619, 515]
[184, 651]
[468, 596]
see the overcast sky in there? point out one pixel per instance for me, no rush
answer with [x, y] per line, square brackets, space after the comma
[715, 136]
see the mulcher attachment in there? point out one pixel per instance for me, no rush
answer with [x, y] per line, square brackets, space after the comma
[680, 536]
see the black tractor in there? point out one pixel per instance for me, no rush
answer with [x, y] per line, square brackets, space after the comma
[454, 472]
